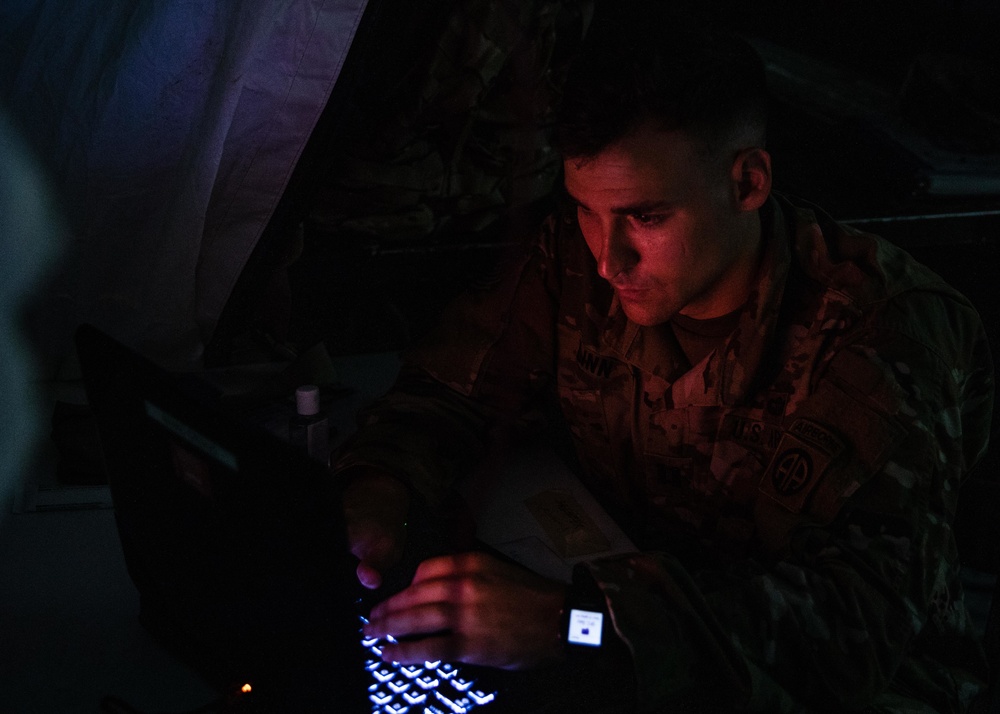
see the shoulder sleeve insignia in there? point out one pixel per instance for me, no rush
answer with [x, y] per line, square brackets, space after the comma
[805, 452]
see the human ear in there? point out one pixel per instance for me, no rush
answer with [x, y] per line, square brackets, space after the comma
[751, 178]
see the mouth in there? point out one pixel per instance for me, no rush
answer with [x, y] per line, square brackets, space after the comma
[629, 294]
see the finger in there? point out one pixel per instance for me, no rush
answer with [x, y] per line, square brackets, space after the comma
[424, 620]
[449, 565]
[454, 592]
[370, 541]
[446, 648]
[369, 576]
[377, 548]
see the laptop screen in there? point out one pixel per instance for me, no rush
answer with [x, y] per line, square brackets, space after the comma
[237, 546]
[234, 540]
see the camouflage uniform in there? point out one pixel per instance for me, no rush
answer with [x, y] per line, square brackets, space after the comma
[791, 494]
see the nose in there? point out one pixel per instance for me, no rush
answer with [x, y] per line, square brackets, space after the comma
[615, 253]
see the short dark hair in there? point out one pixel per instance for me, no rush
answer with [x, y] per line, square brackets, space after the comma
[641, 62]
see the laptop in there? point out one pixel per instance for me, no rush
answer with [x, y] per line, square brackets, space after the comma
[237, 546]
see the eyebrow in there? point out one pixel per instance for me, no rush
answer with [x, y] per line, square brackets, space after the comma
[629, 209]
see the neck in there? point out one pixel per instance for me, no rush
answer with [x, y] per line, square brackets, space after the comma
[732, 288]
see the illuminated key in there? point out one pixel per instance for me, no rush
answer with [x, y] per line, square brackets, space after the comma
[428, 682]
[369, 641]
[411, 671]
[461, 684]
[458, 706]
[433, 665]
[481, 697]
[384, 674]
[380, 698]
[373, 664]
[447, 671]
[414, 698]
[396, 708]
[399, 685]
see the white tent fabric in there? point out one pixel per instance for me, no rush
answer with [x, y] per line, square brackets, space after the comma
[170, 131]
[28, 240]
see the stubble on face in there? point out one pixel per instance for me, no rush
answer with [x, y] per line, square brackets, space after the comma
[660, 219]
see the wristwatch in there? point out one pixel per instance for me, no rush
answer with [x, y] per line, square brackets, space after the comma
[584, 612]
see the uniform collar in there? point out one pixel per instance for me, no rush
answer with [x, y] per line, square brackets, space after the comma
[740, 360]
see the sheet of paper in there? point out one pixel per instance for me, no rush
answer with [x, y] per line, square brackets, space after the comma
[530, 506]
[573, 533]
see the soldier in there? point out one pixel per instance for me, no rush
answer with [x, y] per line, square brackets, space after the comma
[778, 409]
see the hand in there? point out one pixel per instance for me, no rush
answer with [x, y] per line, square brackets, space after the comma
[375, 506]
[472, 608]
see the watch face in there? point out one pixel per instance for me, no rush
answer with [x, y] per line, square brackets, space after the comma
[585, 627]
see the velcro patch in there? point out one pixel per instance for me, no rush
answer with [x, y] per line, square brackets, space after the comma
[806, 451]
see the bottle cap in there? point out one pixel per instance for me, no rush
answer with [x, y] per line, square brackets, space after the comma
[307, 400]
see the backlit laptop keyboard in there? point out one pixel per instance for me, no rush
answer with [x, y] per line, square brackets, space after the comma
[428, 688]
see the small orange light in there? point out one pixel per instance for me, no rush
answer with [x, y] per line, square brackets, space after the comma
[246, 688]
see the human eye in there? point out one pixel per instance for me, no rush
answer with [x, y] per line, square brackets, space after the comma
[584, 215]
[647, 220]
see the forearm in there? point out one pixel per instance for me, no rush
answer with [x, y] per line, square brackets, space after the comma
[752, 643]
[422, 434]
[830, 622]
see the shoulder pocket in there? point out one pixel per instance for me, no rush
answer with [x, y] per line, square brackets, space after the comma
[837, 440]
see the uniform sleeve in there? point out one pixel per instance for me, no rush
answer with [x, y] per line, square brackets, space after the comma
[856, 585]
[468, 381]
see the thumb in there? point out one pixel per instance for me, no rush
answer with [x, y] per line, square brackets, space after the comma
[377, 548]
[369, 576]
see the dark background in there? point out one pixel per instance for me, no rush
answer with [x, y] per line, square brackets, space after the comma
[882, 109]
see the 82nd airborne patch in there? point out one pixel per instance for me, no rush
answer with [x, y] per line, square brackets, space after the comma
[806, 451]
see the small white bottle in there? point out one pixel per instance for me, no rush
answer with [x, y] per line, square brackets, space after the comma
[309, 429]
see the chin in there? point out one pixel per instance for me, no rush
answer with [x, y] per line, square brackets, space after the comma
[645, 317]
